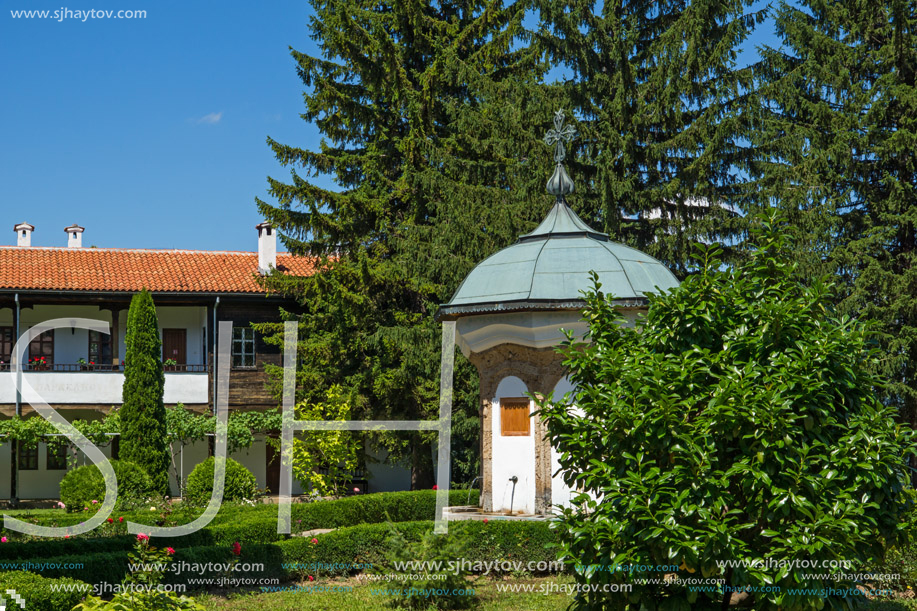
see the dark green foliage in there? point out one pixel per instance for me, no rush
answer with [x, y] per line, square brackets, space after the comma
[143, 416]
[740, 423]
[431, 116]
[85, 484]
[658, 93]
[836, 135]
[36, 591]
[239, 485]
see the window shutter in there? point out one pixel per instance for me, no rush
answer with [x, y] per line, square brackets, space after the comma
[514, 417]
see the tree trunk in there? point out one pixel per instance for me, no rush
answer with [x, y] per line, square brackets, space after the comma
[421, 466]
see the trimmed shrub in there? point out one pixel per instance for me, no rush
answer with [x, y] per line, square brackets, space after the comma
[37, 592]
[240, 483]
[248, 525]
[144, 438]
[510, 540]
[38, 551]
[374, 508]
[85, 484]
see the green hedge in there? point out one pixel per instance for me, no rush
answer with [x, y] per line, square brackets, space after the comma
[364, 544]
[513, 540]
[248, 525]
[40, 550]
[36, 590]
[374, 508]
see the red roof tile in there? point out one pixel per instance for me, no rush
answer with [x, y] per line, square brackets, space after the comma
[130, 270]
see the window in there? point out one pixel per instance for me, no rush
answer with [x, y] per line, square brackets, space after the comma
[57, 457]
[243, 347]
[6, 346]
[41, 351]
[99, 348]
[514, 417]
[28, 458]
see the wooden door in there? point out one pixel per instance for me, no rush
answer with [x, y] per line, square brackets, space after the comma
[174, 347]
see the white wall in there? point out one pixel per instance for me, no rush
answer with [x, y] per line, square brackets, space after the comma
[96, 387]
[384, 475]
[561, 494]
[513, 455]
[194, 319]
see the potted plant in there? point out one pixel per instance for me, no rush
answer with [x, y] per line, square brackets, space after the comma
[170, 364]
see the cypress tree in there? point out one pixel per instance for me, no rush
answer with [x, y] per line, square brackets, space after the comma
[431, 115]
[836, 133]
[143, 415]
[658, 93]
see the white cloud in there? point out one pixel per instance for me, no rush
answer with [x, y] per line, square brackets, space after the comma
[211, 118]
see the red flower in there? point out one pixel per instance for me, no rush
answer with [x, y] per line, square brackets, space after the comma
[142, 537]
[111, 521]
[485, 520]
[66, 536]
[435, 487]
[121, 519]
[237, 548]
[170, 550]
[314, 540]
[311, 578]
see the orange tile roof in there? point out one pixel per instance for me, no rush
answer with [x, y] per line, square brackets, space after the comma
[122, 269]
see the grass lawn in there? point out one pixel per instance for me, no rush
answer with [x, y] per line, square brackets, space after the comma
[361, 598]
[488, 596]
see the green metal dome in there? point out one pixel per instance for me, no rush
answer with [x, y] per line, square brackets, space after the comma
[548, 268]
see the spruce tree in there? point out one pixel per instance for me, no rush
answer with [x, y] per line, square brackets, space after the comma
[143, 416]
[836, 133]
[658, 94]
[431, 115]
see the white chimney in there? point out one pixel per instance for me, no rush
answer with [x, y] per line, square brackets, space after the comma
[24, 234]
[74, 236]
[267, 247]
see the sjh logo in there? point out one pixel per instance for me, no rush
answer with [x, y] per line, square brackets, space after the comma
[13, 597]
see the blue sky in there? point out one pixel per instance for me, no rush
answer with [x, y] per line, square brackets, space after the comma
[150, 133]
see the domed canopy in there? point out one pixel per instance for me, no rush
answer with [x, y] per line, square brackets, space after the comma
[548, 268]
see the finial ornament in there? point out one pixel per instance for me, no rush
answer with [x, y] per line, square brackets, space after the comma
[557, 136]
[559, 184]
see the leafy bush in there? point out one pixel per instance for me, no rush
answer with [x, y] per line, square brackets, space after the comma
[37, 592]
[240, 483]
[142, 584]
[435, 549]
[740, 424]
[322, 460]
[85, 484]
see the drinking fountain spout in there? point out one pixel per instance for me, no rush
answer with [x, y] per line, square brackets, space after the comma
[512, 495]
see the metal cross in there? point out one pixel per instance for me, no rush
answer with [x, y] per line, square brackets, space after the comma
[557, 136]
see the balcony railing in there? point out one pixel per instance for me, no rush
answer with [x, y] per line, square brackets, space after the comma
[73, 367]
